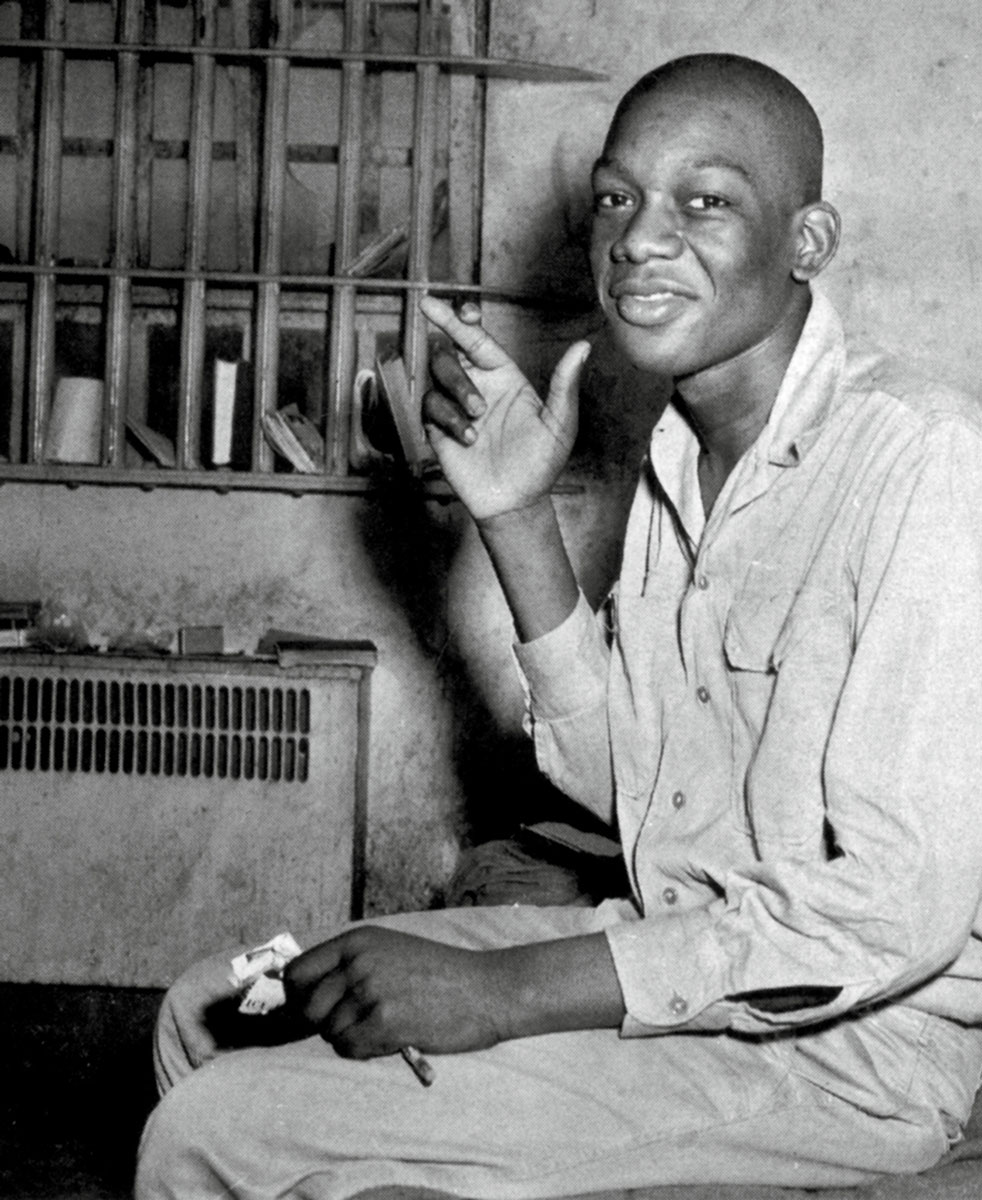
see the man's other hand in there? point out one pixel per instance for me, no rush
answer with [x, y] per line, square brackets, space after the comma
[371, 991]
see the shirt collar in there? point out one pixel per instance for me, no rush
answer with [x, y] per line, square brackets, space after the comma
[809, 386]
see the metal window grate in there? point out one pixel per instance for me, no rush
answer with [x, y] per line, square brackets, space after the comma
[109, 726]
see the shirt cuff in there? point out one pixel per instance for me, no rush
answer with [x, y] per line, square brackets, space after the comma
[671, 975]
[564, 672]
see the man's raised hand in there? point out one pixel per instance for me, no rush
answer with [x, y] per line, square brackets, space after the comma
[501, 448]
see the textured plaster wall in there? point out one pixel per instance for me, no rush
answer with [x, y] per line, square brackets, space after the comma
[128, 561]
[447, 756]
[896, 85]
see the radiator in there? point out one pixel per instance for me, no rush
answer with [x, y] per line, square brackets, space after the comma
[156, 810]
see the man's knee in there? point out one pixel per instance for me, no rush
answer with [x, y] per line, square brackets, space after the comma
[176, 1147]
[184, 1039]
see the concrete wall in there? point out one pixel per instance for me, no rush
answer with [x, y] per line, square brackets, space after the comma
[896, 85]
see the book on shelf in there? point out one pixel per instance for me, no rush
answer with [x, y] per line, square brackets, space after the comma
[394, 389]
[386, 254]
[223, 411]
[19, 614]
[227, 413]
[153, 444]
[310, 649]
[376, 252]
[295, 438]
[18, 619]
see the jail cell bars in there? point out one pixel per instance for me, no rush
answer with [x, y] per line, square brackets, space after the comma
[269, 186]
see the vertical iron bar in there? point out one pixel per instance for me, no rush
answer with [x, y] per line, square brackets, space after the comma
[145, 148]
[359, 838]
[194, 306]
[342, 345]
[244, 98]
[47, 197]
[275, 122]
[421, 215]
[123, 211]
[464, 157]
[31, 26]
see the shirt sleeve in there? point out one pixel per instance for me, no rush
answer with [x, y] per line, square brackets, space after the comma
[896, 902]
[564, 678]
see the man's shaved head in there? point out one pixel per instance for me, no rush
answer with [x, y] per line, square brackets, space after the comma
[786, 120]
[708, 217]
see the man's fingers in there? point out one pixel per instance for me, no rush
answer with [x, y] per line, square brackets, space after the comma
[447, 371]
[479, 346]
[356, 1030]
[320, 1001]
[307, 968]
[445, 416]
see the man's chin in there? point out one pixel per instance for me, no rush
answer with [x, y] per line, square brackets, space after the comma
[655, 352]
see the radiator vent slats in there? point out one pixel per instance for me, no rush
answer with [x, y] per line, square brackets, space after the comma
[125, 727]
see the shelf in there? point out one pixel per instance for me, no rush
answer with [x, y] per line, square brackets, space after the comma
[292, 282]
[148, 480]
[498, 68]
[130, 150]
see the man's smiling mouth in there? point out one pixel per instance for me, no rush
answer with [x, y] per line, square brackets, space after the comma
[650, 308]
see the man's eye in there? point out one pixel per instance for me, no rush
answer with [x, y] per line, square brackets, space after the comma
[605, 201]
[707, 202]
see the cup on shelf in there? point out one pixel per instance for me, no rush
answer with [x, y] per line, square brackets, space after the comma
[74, 433]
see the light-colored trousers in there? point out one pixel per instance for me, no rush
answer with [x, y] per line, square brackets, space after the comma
[552, 1115]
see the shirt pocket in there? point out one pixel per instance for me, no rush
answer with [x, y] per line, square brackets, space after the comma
[756, 629]
[787, 651]
[769, 619]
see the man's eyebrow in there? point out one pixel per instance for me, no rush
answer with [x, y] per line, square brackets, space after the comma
[720, 163]
[607, 163]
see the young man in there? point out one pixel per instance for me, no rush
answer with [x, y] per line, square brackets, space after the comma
[784, 727]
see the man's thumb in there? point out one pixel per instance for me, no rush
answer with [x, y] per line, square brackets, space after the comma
[564, 388]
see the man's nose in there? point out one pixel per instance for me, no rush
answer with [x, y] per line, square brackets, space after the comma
[652, 232]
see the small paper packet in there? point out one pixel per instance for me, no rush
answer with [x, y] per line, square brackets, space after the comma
[259, 974]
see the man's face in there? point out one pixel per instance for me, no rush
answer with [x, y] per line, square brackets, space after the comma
[693, 231]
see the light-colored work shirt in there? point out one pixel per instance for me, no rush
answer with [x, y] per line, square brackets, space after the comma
[781, 708]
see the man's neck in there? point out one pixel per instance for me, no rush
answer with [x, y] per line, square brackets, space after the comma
[729, 404]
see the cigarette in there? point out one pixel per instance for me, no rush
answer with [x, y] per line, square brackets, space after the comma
[420, 1066]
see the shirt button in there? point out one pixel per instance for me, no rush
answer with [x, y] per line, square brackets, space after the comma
[670, 895]
[678, 800]
[703, 694]
[702, 583]
[679, 1005]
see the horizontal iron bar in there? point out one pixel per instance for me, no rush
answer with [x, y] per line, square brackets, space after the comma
[300, 282]
[502, 68]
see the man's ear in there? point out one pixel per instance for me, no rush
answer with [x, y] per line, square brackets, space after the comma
[816, 241]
